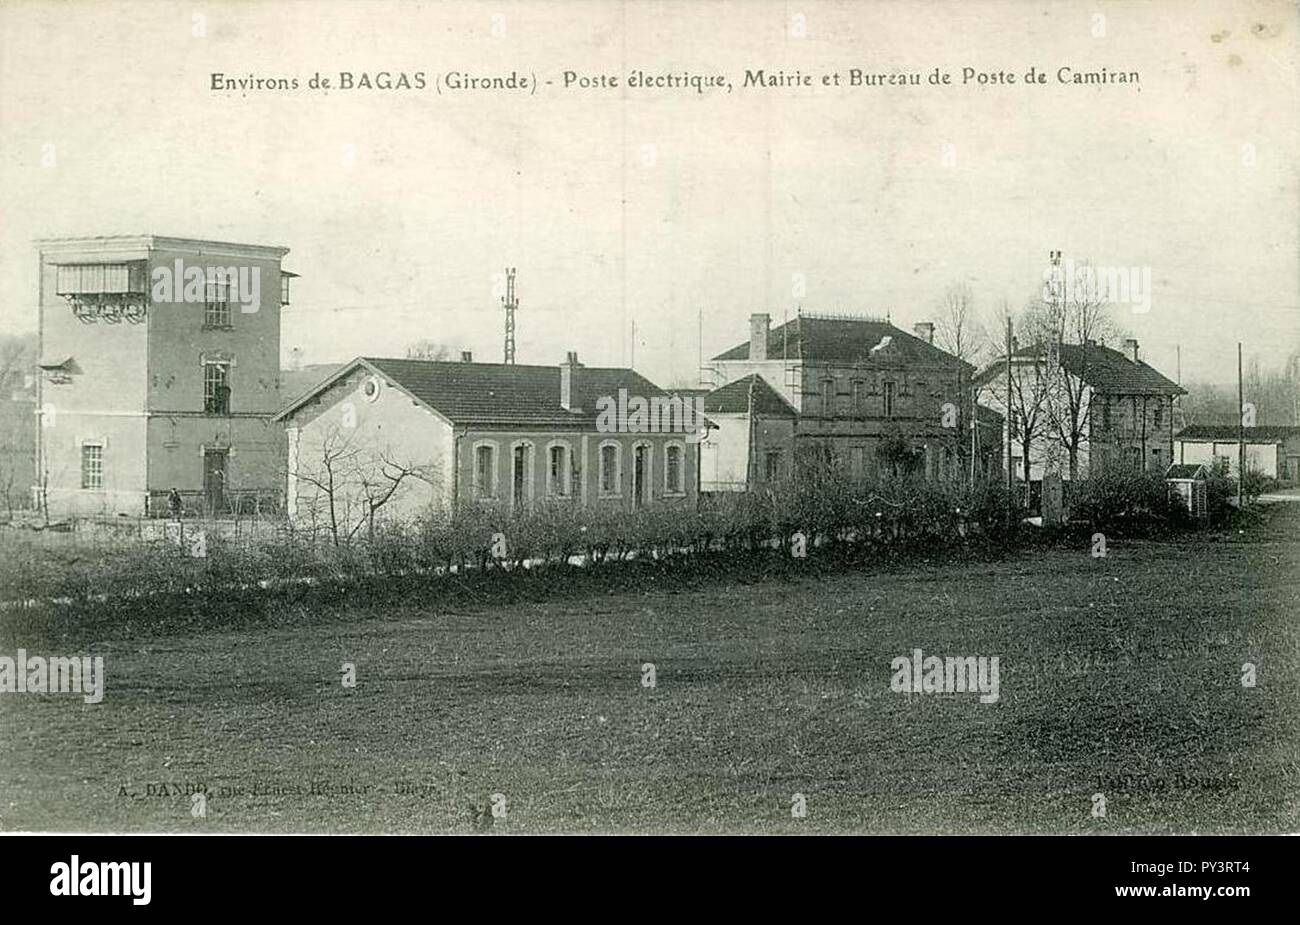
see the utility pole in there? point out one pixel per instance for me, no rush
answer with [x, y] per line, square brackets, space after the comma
[1241, 432]
[974, 434]
[1010, 490]
[510, 303]
[751, 470]
[699, 346]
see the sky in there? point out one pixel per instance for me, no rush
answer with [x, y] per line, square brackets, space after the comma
[677, 212]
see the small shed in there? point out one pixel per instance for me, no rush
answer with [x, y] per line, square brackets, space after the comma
[1188, 486]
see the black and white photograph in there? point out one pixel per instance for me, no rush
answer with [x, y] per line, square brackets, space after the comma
[510, 418]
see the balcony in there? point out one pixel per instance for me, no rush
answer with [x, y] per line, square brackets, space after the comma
[108, 292]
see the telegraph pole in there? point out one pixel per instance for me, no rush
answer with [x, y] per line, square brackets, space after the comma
[510, 303]
[1010, 489]
[1241, 431]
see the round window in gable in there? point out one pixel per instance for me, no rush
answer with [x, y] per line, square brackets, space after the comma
[370, 388]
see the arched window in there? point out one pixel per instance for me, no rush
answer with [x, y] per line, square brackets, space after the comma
[485, 470]
[675, 469]
[611, 469]
[559, 469]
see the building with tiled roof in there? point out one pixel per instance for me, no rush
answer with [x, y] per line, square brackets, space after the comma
[751, 437]
[512, 434]
[855, 384]
[1271, 450]
[749, 393]
[1116, 408]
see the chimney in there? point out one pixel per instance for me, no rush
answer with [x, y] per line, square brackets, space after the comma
[466, 356]
[759, 322]
[568, 401]
[1131, 348]
[924, 330]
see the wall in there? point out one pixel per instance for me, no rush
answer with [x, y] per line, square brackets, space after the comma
[1144, 423]
[1262, 457]
[139, 386]
[104, 400]
[361, 433]
[585, 450]
[725, 452]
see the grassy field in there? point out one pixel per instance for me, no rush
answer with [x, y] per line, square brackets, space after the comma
[1120, 676]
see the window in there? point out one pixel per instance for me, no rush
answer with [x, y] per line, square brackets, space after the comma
[828, 397]
[889, 399]
[674, 469]
[216, 388]
[857, 396]
[92, 465]
[772, 465]
[558, 479]
[1158, 415]
[610, 476]
[1105, 414]
[216, 304]
[485, 468]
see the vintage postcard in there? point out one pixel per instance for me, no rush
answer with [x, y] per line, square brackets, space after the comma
[649, 417]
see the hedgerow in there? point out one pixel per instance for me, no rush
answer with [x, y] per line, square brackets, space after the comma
[828, 517]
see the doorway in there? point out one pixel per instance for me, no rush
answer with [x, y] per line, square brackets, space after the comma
[520, 469]
[640, 475]
[214, 480]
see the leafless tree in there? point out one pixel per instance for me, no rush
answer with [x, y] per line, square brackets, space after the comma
[379, 476]
[353, 480]
[1073, 313]
[1028, 416]
[957, 327]
[427, 349]
[958, 331]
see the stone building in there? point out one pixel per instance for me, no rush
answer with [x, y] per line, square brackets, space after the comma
[159, 369]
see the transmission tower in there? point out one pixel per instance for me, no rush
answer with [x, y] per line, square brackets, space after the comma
[510, 303]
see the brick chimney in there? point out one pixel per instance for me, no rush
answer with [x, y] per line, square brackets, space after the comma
[924, 330]
[759, 322]
[1131, 348]
[568, 401]
[466, 356]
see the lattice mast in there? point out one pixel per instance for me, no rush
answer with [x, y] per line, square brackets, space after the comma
[510, 304]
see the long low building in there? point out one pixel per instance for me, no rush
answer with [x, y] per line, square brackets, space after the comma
[417, 435]
[1273, 451]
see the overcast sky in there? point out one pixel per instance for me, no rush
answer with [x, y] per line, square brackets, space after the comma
[652, 206]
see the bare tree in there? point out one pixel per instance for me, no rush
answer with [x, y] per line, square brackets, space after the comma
[958, 331]
[427, 349]
[1074, 314]
[379, 477]
[353, 481]
[1028, 416]
[957, 327]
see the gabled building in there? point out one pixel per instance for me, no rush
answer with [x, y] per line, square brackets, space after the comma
[423, 435]
[752, 437]
[158, 370]
[863, 390]
[1118, 409]
[1272, 451]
